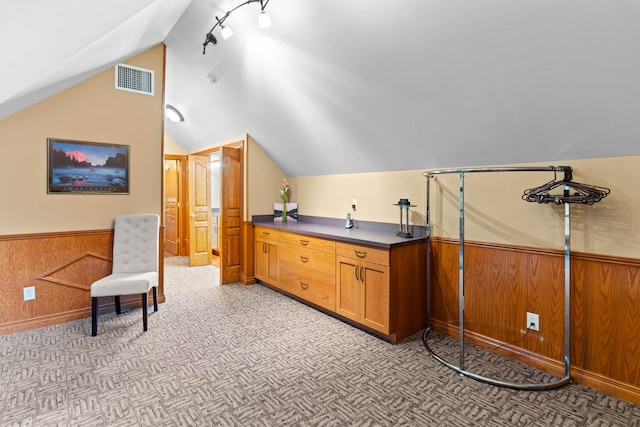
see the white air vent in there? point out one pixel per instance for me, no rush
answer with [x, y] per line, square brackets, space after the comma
[134, 79]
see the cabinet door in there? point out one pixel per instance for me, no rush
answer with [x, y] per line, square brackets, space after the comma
[348, 288]
[272, 254]
[262, 261]
[375, 296]
[266, 262]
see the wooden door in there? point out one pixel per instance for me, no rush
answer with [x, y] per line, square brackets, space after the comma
[230, 213]
[171, 206]
[375, 297]
[348, 288]
[199, 210]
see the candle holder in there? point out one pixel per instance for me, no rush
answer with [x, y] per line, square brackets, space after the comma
[404, 206]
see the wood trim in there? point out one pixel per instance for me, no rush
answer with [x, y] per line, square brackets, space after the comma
[580, 376]
[628, 392]
[503, 282]
[542, 251]
[530, 358]
[83, 313]
[54, 234]
[40, 322]
[247, 272]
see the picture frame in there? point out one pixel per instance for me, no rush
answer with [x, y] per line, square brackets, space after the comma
[81, 167]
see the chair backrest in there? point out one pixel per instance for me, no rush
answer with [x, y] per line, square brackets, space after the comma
[136, 243]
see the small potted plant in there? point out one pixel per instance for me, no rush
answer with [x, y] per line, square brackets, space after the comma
[285, 195]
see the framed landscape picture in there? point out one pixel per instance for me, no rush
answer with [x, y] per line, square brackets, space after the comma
[78, 167]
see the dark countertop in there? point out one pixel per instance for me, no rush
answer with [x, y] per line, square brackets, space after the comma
[362, 236]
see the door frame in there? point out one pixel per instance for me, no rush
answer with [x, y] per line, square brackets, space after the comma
[240, 143]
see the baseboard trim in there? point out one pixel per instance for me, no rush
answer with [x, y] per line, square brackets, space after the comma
[555, 367]
[69, 316]
[41, 322]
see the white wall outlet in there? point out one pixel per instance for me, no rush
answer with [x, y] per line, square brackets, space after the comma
[533, 321]
[354, 204]
[29, 293]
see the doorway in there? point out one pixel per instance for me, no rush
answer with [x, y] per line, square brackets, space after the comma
[196, 242]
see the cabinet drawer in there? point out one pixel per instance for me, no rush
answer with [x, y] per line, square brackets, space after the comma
[309, 259]
[365, 253]
[316, 287]
[308, 242]
[264, 233]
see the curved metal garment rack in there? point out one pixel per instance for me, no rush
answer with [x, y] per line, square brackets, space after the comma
[540, 195]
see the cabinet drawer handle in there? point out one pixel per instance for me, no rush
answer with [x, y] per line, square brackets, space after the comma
[304, 285]
[357, 273]
[266, 233]
[304, 258]
[304, 242]
[264, 248]
[362, 274]
[361, 254]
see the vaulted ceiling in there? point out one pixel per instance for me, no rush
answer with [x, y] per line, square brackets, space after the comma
[337, 86]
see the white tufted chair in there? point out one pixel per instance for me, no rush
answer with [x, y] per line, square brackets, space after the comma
[135, 265]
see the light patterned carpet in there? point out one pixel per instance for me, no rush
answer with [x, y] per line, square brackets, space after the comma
[239, 355]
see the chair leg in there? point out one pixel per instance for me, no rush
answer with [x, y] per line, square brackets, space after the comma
[118, 309]
[94, 316]
[155, 299]
[145, 311]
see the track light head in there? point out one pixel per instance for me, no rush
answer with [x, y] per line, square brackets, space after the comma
[264, 21]
[226, 32]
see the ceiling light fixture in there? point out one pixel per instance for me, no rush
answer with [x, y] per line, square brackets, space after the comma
[226, 32]
[173, 114]
[263, 22]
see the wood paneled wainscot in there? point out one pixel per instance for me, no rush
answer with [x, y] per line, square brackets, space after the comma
[61, 267]
[381, 290]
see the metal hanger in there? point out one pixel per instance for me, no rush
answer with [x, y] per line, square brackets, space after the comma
[571, 192]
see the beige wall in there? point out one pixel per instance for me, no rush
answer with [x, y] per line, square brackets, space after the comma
[331, 195]
[172, 147]
[90, 111]
[264, 180]
[494, 210]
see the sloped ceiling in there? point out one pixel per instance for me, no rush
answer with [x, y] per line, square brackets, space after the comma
[48, 46]
[339, 86]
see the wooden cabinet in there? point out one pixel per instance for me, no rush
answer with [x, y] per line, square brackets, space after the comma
[307, 269]
[266, 255]
[362, 285]
[380, 290]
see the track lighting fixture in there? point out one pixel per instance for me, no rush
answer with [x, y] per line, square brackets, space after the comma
[263, 22]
